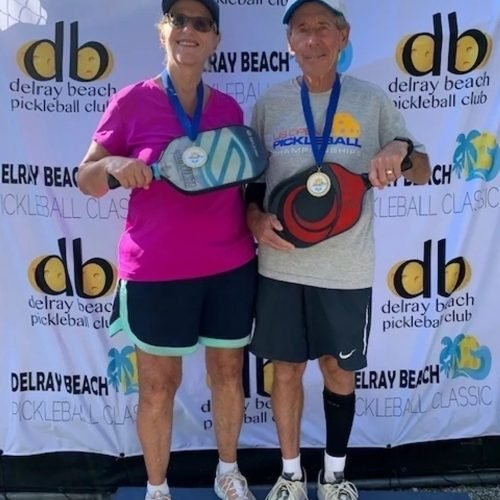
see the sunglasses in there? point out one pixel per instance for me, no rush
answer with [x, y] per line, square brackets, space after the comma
[201, 24]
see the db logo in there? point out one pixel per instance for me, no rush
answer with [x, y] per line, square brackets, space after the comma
[420, 54]
[94, 278]
[264, 374]
[42, 60]
[411, 278]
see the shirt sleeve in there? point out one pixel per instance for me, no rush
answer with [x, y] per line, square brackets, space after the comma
[110, 132]
[240, 116]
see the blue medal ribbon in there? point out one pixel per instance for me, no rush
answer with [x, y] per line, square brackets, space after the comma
[190, 125]
[319, 150]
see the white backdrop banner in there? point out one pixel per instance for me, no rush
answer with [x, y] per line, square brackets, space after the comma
[433, 360]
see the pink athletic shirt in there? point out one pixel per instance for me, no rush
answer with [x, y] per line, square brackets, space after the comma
[170, 235]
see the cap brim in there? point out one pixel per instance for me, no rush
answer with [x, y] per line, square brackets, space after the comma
[289, 12]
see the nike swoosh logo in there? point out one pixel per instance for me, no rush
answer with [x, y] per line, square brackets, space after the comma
[348, 355]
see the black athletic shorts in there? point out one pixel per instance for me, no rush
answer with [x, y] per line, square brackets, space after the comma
[296, 323]
[170, 318]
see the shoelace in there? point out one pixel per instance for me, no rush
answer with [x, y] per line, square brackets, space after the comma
[288, 488]
[344, 488]
[233, 482]
[283, 494]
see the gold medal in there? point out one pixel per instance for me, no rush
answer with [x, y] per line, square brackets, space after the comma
[194, 157]
[318, 184]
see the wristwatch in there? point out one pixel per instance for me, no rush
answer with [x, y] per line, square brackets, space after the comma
[406, 163]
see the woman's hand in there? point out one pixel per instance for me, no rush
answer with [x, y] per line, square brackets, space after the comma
[98, 165]
[129, 172]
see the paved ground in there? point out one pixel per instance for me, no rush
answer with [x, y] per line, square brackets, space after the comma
[475, 493]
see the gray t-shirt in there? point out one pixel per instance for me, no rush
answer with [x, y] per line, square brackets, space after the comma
[365, 121]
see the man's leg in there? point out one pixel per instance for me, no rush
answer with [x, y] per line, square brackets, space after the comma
[159, 379]
[287, 398]
[339, 406]
[280, 336]
[340, 325]
[338, 397]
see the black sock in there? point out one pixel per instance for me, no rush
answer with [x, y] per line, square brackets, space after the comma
[339, 416]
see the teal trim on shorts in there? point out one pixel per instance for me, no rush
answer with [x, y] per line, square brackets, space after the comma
[115, 327]
[223, 343]
[122, 324]
[161, 351]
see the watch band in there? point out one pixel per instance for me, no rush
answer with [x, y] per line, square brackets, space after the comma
[406, 163]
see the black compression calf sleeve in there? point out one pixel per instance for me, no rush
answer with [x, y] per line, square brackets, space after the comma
[339, 416]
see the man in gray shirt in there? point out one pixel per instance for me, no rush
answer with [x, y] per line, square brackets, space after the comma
[329, 138]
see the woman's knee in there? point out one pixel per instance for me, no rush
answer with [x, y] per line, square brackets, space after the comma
[158, 394]
[225, 366]
[158, 382]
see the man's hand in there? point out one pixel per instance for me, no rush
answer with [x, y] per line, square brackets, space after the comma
[385, 166]
[264, 226]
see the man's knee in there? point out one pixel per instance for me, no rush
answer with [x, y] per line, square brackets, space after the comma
[336, 379]
[288, 373]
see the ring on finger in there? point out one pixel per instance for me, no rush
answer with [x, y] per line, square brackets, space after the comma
[389, 172]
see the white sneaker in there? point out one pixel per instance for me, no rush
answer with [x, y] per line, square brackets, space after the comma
[287, 488]
[232, 486]
[341, 489]
[158, 495]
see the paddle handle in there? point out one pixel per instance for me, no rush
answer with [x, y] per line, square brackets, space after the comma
[113, 182]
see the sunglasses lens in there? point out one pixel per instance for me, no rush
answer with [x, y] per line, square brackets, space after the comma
[202, 24]
[178, 20]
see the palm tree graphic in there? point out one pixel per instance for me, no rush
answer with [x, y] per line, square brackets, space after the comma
[450, 355]
[465, 155]
[121, 370]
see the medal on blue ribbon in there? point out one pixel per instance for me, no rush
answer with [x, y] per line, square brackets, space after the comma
[318, 184]
[193, 156]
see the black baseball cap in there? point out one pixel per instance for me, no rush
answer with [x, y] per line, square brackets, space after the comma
[211, 5]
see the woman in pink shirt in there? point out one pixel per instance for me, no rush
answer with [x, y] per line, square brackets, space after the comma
[186, 262]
